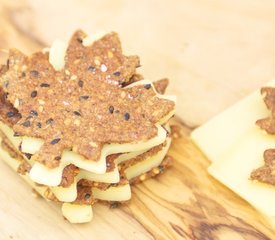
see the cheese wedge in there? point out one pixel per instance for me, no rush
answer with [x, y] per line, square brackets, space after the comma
[236, 145]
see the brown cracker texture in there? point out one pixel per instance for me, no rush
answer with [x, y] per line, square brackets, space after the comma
[83, 106]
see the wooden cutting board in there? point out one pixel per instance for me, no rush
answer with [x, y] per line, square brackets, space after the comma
[214, 52]
[182, 203]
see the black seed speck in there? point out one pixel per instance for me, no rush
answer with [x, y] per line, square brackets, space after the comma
[57, 158]
[44, 85]
[8, 64]
[111, 109]
[33, 113]
[28, 155]
[81, 98]
[49, 121]
[80, 40]
[16, 134]
[80, 83]
[23, 74]
[77, 113]
[114, 205]
[147, 86]
[34, 73]
[117, 74]
[161, 168]
[55, 141]
[39, 125]
[26, 124]
[87, 196]
[126, 116]
[91, 69]
[10, 114]
[34, 94]
[6, 84]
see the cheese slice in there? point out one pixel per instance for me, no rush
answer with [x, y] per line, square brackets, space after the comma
[69, 194]
[148, 163]
[76, 213]
[52, 177]
[218, 134]
[16, 141]
[236, 145]
[57, 54]
[118, 193]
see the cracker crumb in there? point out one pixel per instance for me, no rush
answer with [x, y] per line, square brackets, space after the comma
[103, 68]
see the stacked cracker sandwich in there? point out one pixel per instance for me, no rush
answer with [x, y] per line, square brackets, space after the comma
[80, 125]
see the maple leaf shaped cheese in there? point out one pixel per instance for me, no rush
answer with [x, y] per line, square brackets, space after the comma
[82, 106]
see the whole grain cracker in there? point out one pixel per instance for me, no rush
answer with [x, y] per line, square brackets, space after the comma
[94, 110]
[266, 173]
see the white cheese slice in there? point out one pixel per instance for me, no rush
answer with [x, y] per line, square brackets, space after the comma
[52, 177]
[76, 213]
[235, 167]
[118, 193]
[31, 145]
[57, 54]
[39, 171]
[16, 141]
[148, 163]
[69, 194]
[236, 145]
[91, 38]
[14, 164]
[215, 136]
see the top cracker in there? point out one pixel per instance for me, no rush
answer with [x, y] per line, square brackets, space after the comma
[82, 106]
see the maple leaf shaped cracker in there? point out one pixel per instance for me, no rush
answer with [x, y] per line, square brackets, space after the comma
[266, 173]
[81, 107]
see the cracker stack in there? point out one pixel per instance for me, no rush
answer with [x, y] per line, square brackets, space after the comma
[80, 125]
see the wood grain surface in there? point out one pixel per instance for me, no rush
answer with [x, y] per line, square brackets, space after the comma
[214, 52]
[183, 203]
